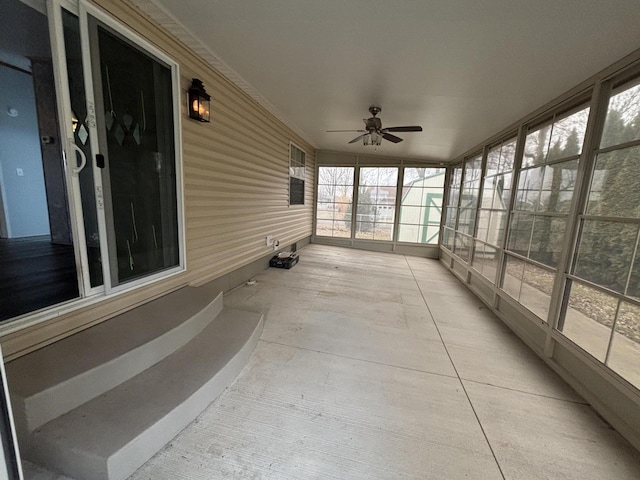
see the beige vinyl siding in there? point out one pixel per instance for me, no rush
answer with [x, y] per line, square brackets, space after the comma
[236, 189]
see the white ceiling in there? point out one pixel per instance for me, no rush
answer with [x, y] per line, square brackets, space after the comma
[463, 69]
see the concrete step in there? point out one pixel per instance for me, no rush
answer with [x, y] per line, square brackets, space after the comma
[56, 379]
[112, 435]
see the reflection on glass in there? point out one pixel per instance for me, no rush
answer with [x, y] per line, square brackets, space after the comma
[605, 253]
[535, 293]
[457, 176]
[462, 246]
[546, 239]
[452, 215]
[520, 233]
[335, 201]
[478, 255]
[485, 259]
[623, 118]
[448, 236]
[383, 231]
[557, 187]
[615, 183]
[493, 161]
[466, 221]
[503, 191]
[536, 147]
[624, 356]
[588, 318]
[469, 197]
[528, 192]
[412, 174]
[335, 176]
[75, 75]
[490, 263]
[326, 211]
[494, 203]
[484, 217]
[528, 188]
[375, 176]
[497, 226]
[324, 228]
[633, 289]
[142, 213]
[512, 281]
[488, 192]
[507, 156]
[473, 170]
[375, 211]
[567, 136]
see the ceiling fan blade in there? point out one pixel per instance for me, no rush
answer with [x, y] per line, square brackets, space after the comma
[331, 131]
[413, 128]
[391, 138]
[358, 138]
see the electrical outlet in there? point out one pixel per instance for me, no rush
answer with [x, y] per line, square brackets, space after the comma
[269, 240]
[20, 172]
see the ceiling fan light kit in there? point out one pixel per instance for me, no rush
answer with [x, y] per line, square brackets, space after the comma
[371, 139]
[374, 133]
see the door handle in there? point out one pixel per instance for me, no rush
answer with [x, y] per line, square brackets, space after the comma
[83, 159]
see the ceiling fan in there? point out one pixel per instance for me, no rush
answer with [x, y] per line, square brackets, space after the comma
[373, 132]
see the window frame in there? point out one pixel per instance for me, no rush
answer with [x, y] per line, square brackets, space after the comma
[425, 226]
[106, 292]
[292, 174]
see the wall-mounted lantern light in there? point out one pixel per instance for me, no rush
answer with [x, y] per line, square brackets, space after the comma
[199, 102]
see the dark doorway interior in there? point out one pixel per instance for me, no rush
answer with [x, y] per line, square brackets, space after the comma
[37, 261]
[35, 274]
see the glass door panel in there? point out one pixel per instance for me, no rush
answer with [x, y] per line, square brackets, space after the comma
[39, 261]
[81, 123]
[134, 105]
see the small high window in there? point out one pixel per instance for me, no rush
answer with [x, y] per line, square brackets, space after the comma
[296, 175]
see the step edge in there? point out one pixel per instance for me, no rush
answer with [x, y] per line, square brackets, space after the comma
[51, 402]
[126, 460]
[197, 402]
[162, 376]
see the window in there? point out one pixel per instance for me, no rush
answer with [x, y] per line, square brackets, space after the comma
[376, 216]
[494, 205]
[296, 175]
[543, 197]
[376, 208]
[452, 208]
[335, 201]
[421, 205]
[602, 307]
[468, 207]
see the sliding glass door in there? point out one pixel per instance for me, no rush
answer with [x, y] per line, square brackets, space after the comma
[38, 262]
[135, 127]
[124, 113]
[80, 150]
[107, 128]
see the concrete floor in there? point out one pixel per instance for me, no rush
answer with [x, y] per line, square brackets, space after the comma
[383, 366]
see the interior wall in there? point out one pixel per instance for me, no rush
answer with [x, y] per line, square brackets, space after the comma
[236, 182]
[24, 199]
